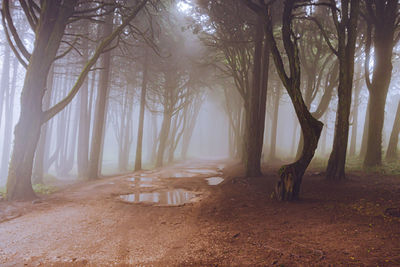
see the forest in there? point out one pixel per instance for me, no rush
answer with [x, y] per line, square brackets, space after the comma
[200, 133]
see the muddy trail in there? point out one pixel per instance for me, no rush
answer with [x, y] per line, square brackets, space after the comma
[205, 213]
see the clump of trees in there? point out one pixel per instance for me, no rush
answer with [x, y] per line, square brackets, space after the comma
[90, 66]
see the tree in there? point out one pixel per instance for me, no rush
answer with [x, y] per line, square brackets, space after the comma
[288, 188]
[48, 21]
[382, 21]
[391, 153]
[346, 31]
[248, 63]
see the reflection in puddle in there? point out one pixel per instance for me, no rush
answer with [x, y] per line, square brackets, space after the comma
[140, 179]
[170, 198]
[214, 180]
[202, 171]
[180, 175]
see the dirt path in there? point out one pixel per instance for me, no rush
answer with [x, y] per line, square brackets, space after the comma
[233, 223]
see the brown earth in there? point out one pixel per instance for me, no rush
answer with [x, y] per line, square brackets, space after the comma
[235, 223]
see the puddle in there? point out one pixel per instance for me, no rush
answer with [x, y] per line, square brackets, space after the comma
[140, 179]
[168, 198]
[214, 180]
[202, 171]
[180, 175]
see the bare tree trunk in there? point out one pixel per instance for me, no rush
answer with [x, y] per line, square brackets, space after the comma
[188, 130]
[5, 78]
[378, 94]
[154, 137]
[96, 147]
[164, 133]
[347, 35]
[41, 149]
[391, 153]
[255, 108]
[274, 129]
[363, 148]
[353, 142]
[48, 38]
[9, 112]
[384, 17]
[84, 118]
[139, 144]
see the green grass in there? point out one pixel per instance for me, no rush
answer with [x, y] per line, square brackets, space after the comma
[356, 165]
[44, 189]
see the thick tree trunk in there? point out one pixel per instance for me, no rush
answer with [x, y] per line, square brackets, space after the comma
[347, 35]
[139, 144]
[391, 153]
[48, 37]
[385, 24]
[96, 147]
[378, 94]
[337, 159]
[41, 149]
[255, 110]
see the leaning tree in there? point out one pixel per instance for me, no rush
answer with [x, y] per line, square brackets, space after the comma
[52, 22]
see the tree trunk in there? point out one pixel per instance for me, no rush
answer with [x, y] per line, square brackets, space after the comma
[384, 16]
[5, 78]
[48, 37]
[347, 35]
[363, 148]
[9, 116]
[188, 131]
[41, 149]
[255, 110]
[139, 144]
[288, 188]
[274, 129]
[353, 142]
[96, 147]
[378, 94]
[391, 153]
[84, 118]
[164, 133]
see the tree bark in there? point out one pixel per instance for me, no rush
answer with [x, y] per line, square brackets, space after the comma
[9, 116]
[353, 141]
[347, 35]
[288, 188]
[391, 153]
[41, 149]
[255, 110]
[164, 133]
[84, 118]
[383, 15]
[96, 147]
[139, 144]
[48, 37]
[274, 129]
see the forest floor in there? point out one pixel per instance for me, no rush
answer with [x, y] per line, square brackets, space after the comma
[233, 223]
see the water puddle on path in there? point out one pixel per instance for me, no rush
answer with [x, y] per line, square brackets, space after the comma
[165, 198]
[214, 180]
[203, 171]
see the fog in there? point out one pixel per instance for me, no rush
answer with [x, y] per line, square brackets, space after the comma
[210, 137]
